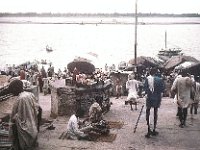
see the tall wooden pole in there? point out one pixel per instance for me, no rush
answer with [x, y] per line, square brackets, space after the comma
[136, 22]
[165, 40]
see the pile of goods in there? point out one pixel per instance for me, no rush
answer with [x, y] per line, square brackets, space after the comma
[5, 142]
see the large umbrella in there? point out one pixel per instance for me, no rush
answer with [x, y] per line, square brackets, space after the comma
[81, 66]
[144, 61]
[177, 60]
[184, 65]
[193, 69]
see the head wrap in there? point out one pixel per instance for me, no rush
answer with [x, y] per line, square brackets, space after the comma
[16, 87]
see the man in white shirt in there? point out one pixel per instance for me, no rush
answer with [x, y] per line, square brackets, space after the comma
[183, 88]
[73, 130]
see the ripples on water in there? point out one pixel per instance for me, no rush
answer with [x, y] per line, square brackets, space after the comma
[23, 39]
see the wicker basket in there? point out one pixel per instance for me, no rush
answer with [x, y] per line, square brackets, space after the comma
[5, 142]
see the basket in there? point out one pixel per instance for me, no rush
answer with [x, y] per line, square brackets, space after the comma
[5, 141]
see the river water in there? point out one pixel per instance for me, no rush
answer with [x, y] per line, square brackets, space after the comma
[111, 39]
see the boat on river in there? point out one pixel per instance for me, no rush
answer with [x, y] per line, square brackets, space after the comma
[165, 54]
[49, 49]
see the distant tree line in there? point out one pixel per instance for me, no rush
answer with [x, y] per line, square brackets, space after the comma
[33, 14]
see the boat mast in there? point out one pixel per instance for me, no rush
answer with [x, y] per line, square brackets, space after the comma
[136, 22]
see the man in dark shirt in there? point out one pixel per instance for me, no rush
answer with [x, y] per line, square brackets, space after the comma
[154, 87]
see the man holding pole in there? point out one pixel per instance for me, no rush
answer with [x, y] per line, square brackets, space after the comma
[154, 87]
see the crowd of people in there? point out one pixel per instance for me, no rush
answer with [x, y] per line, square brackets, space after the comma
[26, 113]
[35, 75]
[182, 86]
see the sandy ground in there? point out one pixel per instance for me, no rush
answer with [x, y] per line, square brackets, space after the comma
[170, 137]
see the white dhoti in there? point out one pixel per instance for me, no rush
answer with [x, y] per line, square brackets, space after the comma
[132, 96]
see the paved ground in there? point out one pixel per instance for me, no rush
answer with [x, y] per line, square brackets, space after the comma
[170, 137]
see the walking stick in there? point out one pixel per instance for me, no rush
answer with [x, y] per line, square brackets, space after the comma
[138, 119]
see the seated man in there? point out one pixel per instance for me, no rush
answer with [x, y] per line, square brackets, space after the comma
[95, 113]
[95, 120]
[73, 130]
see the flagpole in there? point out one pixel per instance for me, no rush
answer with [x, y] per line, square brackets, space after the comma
[135, 45]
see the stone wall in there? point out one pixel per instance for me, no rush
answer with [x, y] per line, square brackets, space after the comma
[87, 98]
[65, 99]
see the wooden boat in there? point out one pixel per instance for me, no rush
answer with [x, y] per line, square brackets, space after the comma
[165, 54]
[49, 49]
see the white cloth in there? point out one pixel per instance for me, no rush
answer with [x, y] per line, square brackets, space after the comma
[26, 84]
[73, 131]
[132, 87]
[150, 79]
[183, 86]
[175, 97]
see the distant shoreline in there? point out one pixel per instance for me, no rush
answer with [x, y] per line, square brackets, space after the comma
[100, 17]
[101, 23]
[33, 14]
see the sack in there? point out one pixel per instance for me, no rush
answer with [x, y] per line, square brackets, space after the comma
[179, 103]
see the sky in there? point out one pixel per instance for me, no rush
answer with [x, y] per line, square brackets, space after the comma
[101, 6]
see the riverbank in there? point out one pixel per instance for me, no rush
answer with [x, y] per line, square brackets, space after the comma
[170, 137]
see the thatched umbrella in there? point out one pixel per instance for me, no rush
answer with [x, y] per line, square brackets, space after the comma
[82, 66]
[144, 61]
[184, 65]
[193, 69]
[177, 60]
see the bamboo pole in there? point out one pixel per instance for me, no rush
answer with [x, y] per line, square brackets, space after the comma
[136, 22]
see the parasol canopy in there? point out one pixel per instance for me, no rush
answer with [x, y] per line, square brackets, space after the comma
[177, 60]
[144, 61]
[82, 66]
[184, 65]
[193, 69]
